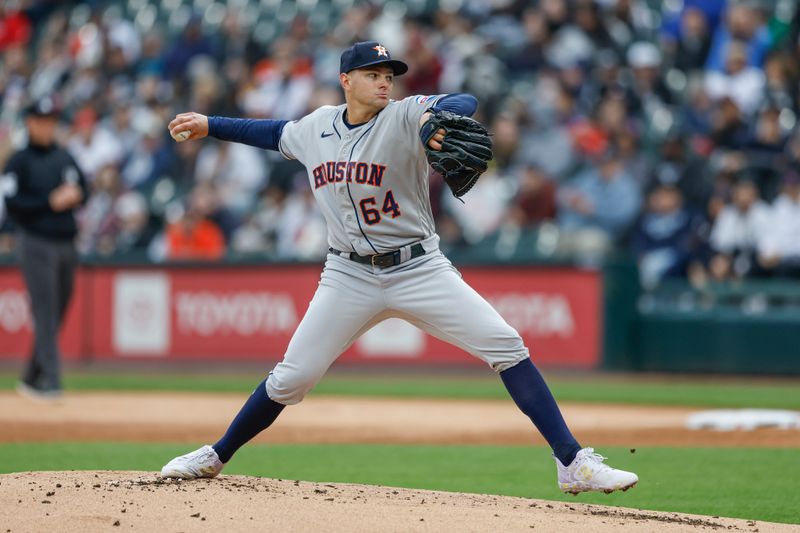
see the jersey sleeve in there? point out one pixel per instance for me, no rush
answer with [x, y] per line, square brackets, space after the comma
[415, 106]
[298, 135]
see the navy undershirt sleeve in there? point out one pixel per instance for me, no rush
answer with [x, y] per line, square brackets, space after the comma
[262, 133]
[459, 103]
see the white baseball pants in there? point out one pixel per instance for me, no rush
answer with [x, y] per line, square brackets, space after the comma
[427, 291]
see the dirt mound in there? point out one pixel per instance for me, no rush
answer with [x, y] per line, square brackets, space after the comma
[141, 501]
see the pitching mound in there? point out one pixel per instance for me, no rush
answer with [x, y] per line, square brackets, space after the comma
[141, 501]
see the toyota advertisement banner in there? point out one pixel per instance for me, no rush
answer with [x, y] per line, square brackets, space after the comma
[250, 313]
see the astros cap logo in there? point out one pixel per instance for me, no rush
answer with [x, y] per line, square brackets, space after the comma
[368, 53]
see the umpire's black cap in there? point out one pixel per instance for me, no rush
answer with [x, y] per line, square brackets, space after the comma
[46, 106]
[368, 53]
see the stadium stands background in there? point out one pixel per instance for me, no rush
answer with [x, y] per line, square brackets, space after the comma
[664, 131]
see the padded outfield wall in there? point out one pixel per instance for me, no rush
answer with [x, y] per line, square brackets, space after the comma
[250, 313]
[569, 317]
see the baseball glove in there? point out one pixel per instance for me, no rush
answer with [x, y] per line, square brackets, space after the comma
[466, 149]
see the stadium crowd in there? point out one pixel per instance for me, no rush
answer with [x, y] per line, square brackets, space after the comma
[662, 128]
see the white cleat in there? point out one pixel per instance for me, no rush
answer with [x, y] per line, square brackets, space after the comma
[199, 463]
[588, 473]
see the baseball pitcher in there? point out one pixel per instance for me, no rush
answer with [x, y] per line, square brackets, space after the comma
[367, 163]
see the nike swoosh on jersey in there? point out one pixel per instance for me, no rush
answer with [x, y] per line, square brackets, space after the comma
[325, 134]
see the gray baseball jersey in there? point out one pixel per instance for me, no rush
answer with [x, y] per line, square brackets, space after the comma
[371, 183]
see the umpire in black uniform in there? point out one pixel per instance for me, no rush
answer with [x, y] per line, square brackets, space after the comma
[46, 188]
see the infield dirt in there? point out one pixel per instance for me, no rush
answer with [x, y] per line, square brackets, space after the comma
[139, 501]
[162, 417]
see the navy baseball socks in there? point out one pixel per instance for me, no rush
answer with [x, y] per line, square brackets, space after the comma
[256, 415]
[531, 394]
[523, 381]
[258, 412]
[579, 470]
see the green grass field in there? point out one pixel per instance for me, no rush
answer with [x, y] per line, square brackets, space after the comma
[743, 483]
[585, 389]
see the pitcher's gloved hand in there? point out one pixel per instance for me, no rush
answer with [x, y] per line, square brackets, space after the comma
[465, 152]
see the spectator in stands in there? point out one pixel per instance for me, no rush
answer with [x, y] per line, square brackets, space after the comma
[635, 159]
[483, 77]
[93, 146]
[301, 230]
[14, 72]
[544, 143]
[743, 22]
[711, 10]
[236, 48]
[569, 46]
[425, 67]
[528, 55]
[678, 166]
[194, 236]
[133, 230]
[650, 92]
[535, 201]
[781, 78]
[742, 83]
[151, 61]
[725, 167]
[612, 114]
[204, 202]
[181, 164]
[121, 122]
[293, 230]
[628, 21]
[768, 139]
[505, 142]
[588, 17]
[608, 75]
[664, 240]
[150, 158]
[693, 41]
[191, 43]
[793, 149]
[258, 234]
[124, 45]
[697, 115]
[560, 81]
[15, 27]
[728, 127]
[282, 84]
[779, 246]
[766, 150]
[53, 65]
[736, 233]
[97, 218]
[597, 207]
[487, 209]
[237, 171]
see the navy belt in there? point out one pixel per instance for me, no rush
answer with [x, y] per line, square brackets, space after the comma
[380, 260]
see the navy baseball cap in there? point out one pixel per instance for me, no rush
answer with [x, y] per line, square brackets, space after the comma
[46, 106]
[370, 53]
